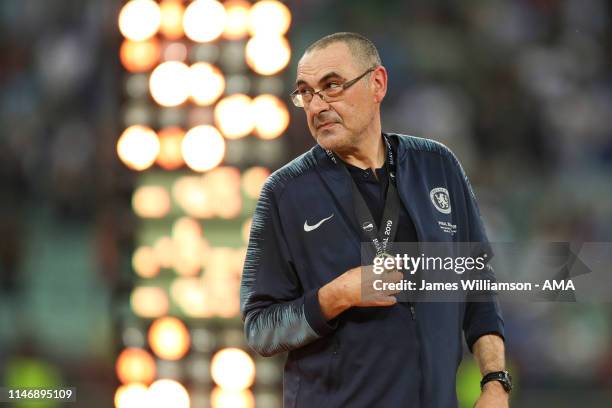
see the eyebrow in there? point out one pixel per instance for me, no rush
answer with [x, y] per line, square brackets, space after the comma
[326, 77]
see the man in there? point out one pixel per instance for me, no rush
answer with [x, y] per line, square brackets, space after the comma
[302, 281]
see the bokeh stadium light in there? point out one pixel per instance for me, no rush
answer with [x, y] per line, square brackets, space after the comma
[253, 180]
[135, 365]
[149, 301]
[139, 56]
[169, 83]
[172, 19]
[138, 147]
[134, 395]
[237, 19]
[168, 393]
[269, 18]
[170, 156]
[139, 19]
[268, 55]
[207, 83]
[164, 251]
[234, 116]
[151, 202]
[204, 20]
[204, 111]
[232, 369]
[221, 398]
[271, 116]
[169, 338]
[145, 263]
[203, 148]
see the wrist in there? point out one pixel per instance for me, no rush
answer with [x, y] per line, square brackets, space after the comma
[494, 387]
[497, 381]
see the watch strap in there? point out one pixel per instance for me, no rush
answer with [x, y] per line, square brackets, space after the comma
[502, 376]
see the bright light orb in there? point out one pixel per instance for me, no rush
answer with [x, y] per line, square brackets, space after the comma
[271, 116]
[191, 196]
[188, 294]
[139, 19]
[269, 17]
[168, 393]
[169, 83]
[220, 398]
[186, 229]
[267, 55]
[204, 20]
[139, 56]
[232, 369]
[234, 116]
[135, 365]
[151, 202]
[237, 22]
[253, 180]
[207, 83]
[172, 19]
[145, 263]
[149, 301]
[133, 395]
[203, 148]
[164, 251]
[138, 147]
[170, 140]
[169, 338]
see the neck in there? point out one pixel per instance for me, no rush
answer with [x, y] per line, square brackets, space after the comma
[368, 154]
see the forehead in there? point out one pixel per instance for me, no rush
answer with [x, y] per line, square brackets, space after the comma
[334, 58]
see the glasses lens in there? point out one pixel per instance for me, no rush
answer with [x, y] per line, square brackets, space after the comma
[297, 100]
[333, 92]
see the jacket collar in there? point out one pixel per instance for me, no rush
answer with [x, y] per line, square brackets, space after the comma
[338, 183]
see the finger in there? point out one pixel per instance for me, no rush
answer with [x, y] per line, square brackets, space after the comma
[394, 277]
[383, 301]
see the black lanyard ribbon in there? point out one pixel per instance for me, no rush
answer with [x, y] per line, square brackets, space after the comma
[381, 236]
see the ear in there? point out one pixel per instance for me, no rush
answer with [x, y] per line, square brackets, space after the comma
[378, 81]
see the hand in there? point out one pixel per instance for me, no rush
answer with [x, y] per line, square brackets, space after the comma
[349, 289]
[493, 395]
[367, 294]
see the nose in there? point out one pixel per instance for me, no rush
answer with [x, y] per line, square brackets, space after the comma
[317, 104]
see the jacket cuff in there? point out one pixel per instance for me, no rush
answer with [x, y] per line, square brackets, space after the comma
[314, 315]
[488, 327]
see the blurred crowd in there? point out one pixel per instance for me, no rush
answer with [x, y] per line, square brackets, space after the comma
[520, 90]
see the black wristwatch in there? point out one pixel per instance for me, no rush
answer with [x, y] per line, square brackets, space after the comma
[502, 376]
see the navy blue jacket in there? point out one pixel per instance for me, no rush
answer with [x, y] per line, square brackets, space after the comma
[350, 361]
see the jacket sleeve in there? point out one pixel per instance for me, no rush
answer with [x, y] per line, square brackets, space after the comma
[277, 315]
[482, 316]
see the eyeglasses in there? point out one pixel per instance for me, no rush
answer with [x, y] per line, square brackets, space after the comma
[329, 93]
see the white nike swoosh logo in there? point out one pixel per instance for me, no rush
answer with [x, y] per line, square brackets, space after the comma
[309, 228]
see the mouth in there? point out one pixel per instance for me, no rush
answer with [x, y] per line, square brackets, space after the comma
[326, 125]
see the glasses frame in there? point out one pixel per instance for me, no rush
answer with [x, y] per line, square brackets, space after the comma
[298, 101]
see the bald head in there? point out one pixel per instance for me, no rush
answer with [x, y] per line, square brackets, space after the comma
[364, 53]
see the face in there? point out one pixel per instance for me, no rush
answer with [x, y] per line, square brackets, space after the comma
[340, 124]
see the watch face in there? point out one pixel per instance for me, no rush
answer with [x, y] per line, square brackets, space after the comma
[508, 383]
